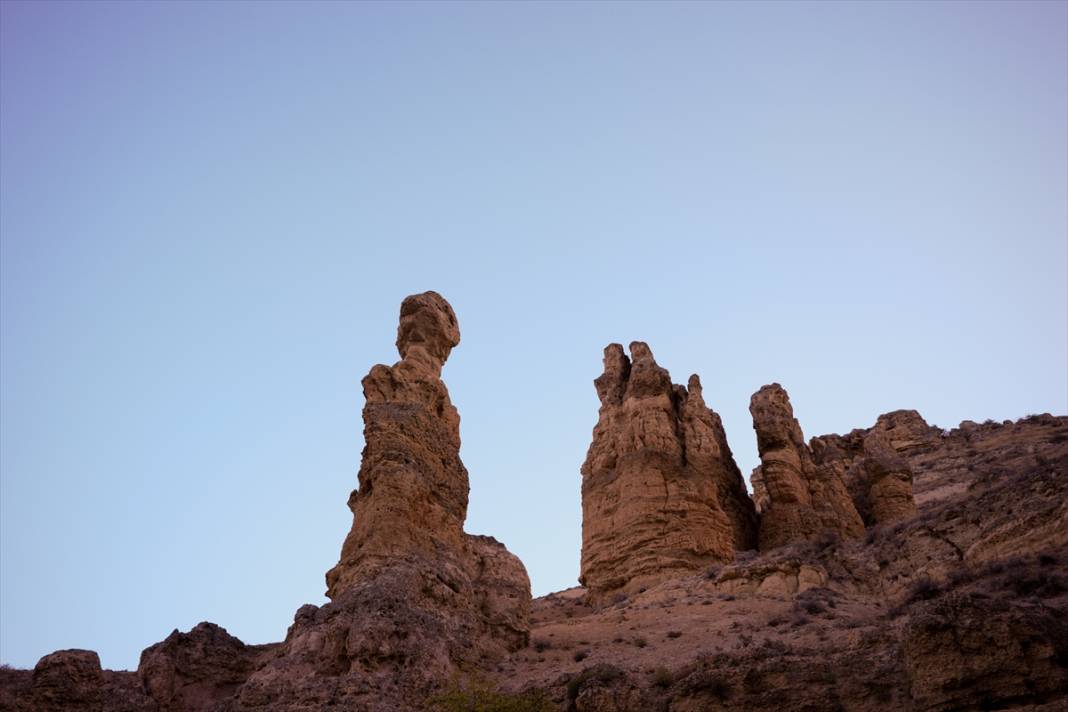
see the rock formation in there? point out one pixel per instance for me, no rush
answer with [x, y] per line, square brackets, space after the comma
[412, 496]
[69, 679]
[802, 499]
[760, 492]
[661, 493]
[197, 669]
[960, 607]
[414, 598]
[878, 477]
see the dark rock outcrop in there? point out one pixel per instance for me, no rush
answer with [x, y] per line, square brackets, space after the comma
[69, 680]
[197, 669]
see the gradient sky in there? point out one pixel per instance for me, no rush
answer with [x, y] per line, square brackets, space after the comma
[209, 214]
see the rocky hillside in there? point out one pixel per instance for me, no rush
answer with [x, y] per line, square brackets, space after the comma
[897, 567]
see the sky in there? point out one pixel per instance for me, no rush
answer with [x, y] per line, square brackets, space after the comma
[210, 213]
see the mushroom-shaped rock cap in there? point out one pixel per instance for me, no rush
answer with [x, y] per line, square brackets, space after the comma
[427, 331]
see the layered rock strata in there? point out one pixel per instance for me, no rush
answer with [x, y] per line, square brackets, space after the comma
[661, 493]
[413, 487]
[877, 475]
[803, 500]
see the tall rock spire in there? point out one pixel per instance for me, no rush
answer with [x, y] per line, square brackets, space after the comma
[413, 487]
[802, 499]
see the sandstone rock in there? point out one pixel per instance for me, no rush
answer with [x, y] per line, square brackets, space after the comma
[760, 490]
[968, 652]
[196, 669]
[661, 493]
[414, 599]
[803, 500]
[878, 478]
[68, 680]
[502, 590]
[413, 487]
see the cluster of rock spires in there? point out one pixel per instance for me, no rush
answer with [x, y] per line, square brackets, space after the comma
[662, 494]
[417, 603]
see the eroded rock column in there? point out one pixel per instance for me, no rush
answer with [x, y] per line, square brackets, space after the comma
[415, 599]
[802, 499]
[413, 487]
[661, 493]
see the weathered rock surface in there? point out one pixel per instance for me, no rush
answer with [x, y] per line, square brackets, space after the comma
[962, 607]
[802, 499]
[198, 669]
[69, 679]
[965, 650]
[412, 496]
[661, 493]
[878, 477]
[959, 605]
[760, 490]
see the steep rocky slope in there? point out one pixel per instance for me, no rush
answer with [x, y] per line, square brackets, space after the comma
[963, 606]
[896, 567]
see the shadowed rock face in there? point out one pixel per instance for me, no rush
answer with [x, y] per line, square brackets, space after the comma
[68, 680]
[878, 477]
[196, 669]
[802, 499]
[661, 493]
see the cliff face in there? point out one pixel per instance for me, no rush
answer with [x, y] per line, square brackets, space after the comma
[661, 493]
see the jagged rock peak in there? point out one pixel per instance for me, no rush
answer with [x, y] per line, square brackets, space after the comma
[802, 499]
[661, 492]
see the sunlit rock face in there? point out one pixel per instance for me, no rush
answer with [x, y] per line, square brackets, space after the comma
[661, 493]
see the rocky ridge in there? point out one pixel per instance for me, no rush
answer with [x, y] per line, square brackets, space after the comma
[900, 566]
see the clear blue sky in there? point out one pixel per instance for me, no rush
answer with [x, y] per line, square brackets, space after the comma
[211, 212]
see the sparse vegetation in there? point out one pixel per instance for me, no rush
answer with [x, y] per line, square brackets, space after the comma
[922, 589]
[674, 634]
[707, 683]
[484, 699]
[663, 678]
[603, 674]
[581, 655]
